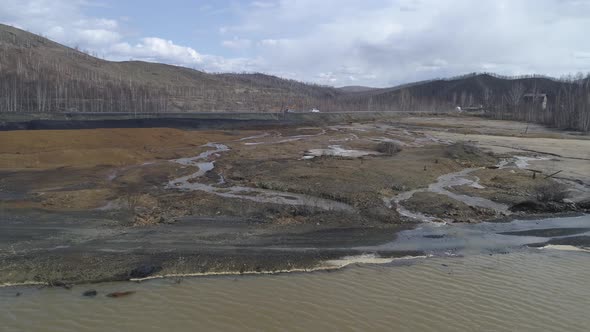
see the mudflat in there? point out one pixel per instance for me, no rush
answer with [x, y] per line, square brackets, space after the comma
[118, 204]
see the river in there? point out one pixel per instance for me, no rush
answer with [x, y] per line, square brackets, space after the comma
[477, 287]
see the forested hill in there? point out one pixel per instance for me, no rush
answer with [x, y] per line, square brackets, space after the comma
[39, 75]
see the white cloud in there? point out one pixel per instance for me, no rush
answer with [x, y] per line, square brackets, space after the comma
[97, 36]
[62, 21]
[373, 42]
[158, 49]
[582, 55]
[237, 43]
[154, 49]
[102, 23]
[220, 64]
[273, 42]
[390, 42]
[65, 22]
[262, 4]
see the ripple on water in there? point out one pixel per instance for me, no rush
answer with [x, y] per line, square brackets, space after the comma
[518, 291]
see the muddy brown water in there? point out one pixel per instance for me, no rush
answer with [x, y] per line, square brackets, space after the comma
[534, 291]
[472, 289]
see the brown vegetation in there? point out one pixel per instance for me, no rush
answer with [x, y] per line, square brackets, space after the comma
[469, 153]
[550, 192]
[389, 148]
[83, 148]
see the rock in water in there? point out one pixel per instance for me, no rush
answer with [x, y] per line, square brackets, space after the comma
[62, 284]
[90, 293]
[144, 271]
[120, 294]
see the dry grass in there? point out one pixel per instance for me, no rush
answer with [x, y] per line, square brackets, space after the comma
[388, 148]
[87, 148]
[74, 200]
[505, 185]
[347, 180]
[550, 192]
[359, 182]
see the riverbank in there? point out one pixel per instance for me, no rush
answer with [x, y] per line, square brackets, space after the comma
[115, 204]
[520, 290]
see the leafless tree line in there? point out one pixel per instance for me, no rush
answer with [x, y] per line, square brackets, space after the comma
[73, 81]
[566, 107]
[79, 82]
[28, 84]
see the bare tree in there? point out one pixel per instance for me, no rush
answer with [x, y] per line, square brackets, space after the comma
[515, 94]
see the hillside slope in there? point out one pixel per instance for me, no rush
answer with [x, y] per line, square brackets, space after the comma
[37, 74]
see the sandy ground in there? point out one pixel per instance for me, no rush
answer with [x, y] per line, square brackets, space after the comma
[565, 151]
[105, 192]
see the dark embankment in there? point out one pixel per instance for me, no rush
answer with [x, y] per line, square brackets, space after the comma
[78, 247]
[142, 123]
[38, 121]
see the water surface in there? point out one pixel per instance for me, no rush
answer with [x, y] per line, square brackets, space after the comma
[529, 290]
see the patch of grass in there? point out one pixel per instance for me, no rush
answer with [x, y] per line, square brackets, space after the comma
[271, 186]
[388, 148]
[466, 151]
[550, 192]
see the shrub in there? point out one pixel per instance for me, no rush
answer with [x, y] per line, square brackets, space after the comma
[550, 192]
[462, 150]
[131, 195]
[389, 148]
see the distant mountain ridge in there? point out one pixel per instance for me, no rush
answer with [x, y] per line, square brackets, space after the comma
[356, 88]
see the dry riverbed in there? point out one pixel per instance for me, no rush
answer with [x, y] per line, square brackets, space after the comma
[112, 204]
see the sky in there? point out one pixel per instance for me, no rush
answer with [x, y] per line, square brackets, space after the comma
[374, 43]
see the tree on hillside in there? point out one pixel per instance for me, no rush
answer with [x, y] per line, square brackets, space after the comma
[515, 95]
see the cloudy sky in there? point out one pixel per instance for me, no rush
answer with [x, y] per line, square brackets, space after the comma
[335, 42]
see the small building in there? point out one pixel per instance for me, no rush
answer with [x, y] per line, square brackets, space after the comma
[536, 98]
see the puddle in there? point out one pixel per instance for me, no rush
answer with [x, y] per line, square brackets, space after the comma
[337, 151]
[287, 139]
[520, 162]
[392, 140]
[254, 137]
[461, 178]
[486, 236]
[441, 186]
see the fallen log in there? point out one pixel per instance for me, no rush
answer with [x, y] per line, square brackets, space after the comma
[553, 174]
[120, 294]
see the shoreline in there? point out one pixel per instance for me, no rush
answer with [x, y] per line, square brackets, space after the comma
[335, 259]
[337, 263]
